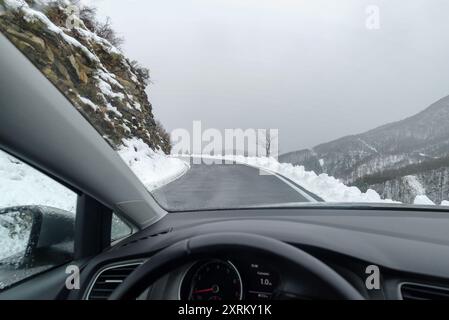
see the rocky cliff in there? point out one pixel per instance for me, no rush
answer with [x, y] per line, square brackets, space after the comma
[105, 86]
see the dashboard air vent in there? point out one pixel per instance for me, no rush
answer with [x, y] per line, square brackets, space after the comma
[108, 279]
[413, 291]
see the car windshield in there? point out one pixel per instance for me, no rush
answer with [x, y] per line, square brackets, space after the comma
[256, 103]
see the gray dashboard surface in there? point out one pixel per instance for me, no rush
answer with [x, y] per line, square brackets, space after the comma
[416, 242]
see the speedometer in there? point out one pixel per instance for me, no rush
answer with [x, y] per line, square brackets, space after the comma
[216, 280]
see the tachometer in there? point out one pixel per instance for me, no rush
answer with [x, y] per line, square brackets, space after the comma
[216, 280]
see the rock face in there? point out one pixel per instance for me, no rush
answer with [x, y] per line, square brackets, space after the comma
[102, 83]
[399, 160]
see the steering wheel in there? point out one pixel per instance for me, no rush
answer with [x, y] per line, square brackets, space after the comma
[205, 246]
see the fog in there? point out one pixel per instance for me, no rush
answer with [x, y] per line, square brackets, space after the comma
[316, 70]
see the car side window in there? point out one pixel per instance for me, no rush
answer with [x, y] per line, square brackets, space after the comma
[119, 228]
[37, 219]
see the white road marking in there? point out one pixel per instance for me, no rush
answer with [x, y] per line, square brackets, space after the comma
[291, 185]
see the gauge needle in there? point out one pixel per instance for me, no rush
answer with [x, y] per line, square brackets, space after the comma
[204, 290]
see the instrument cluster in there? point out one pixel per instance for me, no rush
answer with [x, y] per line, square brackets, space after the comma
[217, 279]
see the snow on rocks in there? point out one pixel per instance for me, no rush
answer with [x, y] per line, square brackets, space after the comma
[31, 15]
[98, 78]
[109, 77]
[106, 89]
[92, 37]
[110, 107]
[88, 102]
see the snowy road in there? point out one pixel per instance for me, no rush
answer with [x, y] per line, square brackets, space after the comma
[216, 186]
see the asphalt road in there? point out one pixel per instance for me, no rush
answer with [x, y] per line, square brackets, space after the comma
[221, 186]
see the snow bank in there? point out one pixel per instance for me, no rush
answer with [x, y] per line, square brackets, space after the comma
[423, 200]
[328, 188]
[445, 203]
[153, 168]
[21, 185]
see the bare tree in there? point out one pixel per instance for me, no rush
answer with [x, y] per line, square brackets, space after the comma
[104, 30]
[89, 16]
[267, 143]
[165, 136]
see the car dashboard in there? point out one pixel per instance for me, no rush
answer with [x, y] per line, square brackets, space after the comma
[409, 250]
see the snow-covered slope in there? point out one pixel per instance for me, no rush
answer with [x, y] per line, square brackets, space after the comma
[400, 160]
[20, 184]
[154, 169]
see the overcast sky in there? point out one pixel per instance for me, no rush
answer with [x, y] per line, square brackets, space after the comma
[310, 68]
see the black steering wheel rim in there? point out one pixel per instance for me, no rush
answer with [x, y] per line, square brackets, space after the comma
[210, 245]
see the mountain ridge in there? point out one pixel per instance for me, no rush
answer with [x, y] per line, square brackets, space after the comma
[414, 146]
